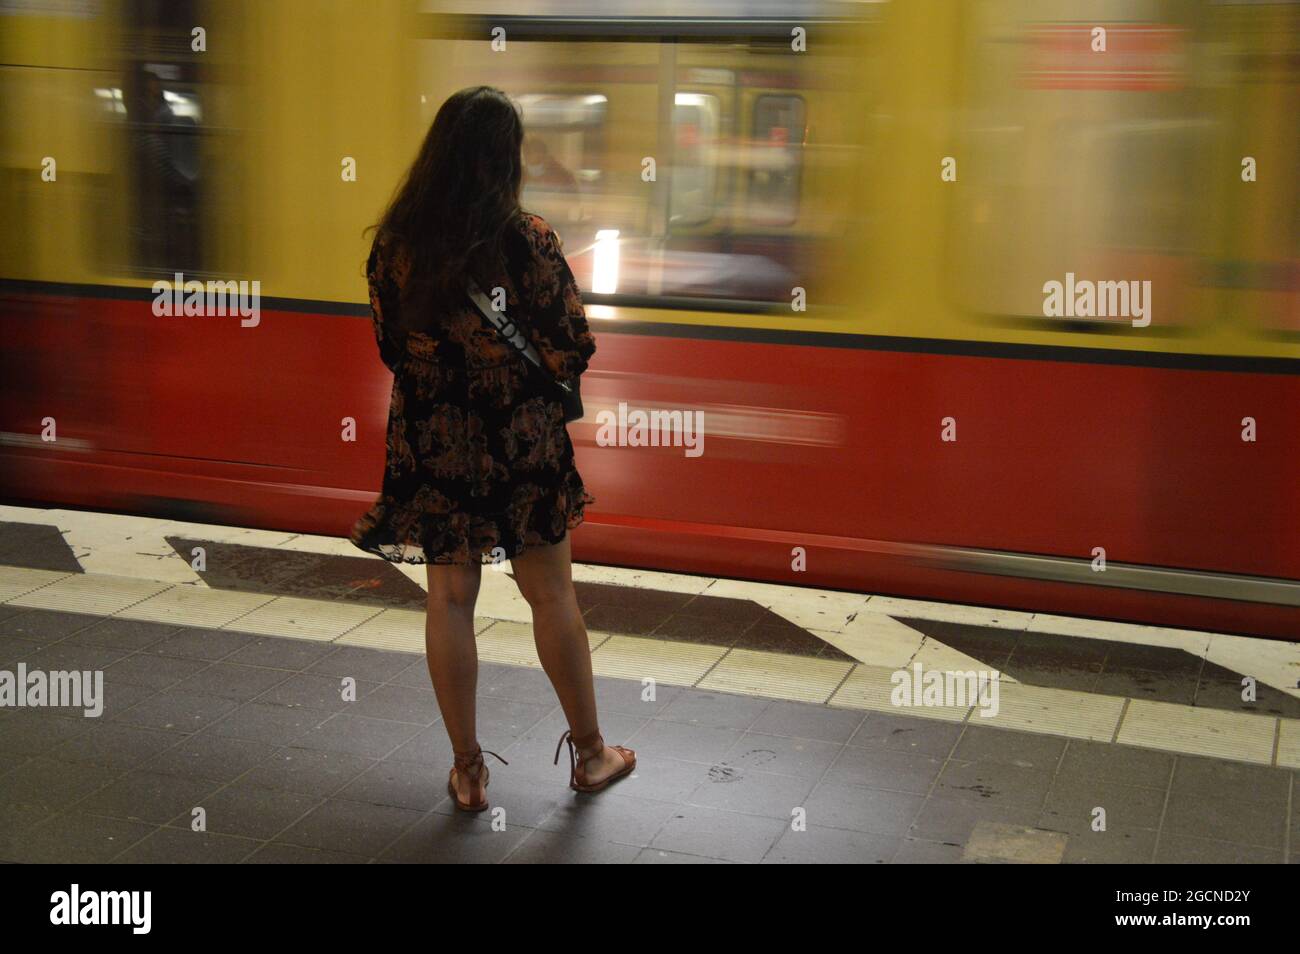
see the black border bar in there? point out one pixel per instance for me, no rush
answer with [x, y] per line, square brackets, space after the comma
[476, 26]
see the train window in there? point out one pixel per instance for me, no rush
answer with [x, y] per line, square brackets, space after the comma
[160, 107]
[1069, 162]
[776, 159]
[1255, 253]
[563, 149]
[696, 121]
[640, 146]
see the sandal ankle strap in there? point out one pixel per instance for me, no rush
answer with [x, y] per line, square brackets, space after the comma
[464, 761]
[595, 740]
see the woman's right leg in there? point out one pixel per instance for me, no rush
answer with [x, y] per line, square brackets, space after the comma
[544, 575]
[452, 656]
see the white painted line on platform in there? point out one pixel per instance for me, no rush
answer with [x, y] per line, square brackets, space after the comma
[949, 612]
[827, 610]
[1193, 641]
[1273, 662]
[644, 579]
[935, 655]
[142, 566]
[22, 514]
[876, 640]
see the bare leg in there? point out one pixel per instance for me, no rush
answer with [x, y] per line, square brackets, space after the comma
[545, 579]
[452, 656]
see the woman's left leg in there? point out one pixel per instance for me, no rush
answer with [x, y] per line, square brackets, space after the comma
[452, 656]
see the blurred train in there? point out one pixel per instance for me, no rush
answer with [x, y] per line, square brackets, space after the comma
[829, 227]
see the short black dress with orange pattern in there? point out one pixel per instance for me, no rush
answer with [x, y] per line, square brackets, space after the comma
[479, 465]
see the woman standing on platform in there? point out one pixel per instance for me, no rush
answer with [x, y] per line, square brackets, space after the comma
[479, 463]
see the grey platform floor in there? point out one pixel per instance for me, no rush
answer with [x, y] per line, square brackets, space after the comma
[254, 731]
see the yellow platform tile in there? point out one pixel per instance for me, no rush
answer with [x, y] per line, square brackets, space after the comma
[776, 676]
[1061, 712]
[675, 664]
[1288, 744]
[16, 581]
[396, 629]
[196, 606]
[296, 618]
[509, 642]
[1238, 736]
[90, 593]
[512, 643]
[872, 687]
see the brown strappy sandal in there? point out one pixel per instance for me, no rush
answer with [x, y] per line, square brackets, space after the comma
[577, 776]
[465, 761]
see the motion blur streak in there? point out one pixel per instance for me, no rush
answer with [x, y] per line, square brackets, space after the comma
[829, 227]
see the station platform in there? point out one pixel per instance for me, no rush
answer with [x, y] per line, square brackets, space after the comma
[765, 718]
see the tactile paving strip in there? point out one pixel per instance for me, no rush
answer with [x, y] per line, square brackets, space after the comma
[305, 619]
[1073, 715]
[93, 594]
[1237, 736]
[16, 581]
[872, 687]
[1288, 744]
[398, 630]
[196, 606]
[776, 676]
[676, 664]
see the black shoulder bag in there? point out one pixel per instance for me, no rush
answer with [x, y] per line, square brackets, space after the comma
[569, 395]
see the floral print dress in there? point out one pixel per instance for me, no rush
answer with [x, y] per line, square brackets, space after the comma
[479, 466]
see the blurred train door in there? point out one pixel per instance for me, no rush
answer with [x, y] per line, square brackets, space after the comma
[161, 213]
[707, 216]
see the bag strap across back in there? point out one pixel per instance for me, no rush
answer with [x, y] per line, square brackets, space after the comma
[508, 330]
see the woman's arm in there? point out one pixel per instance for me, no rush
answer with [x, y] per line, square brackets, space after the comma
[557, 322]
[385, 307]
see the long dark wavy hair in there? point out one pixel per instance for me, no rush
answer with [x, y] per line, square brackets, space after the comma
[453, 210]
